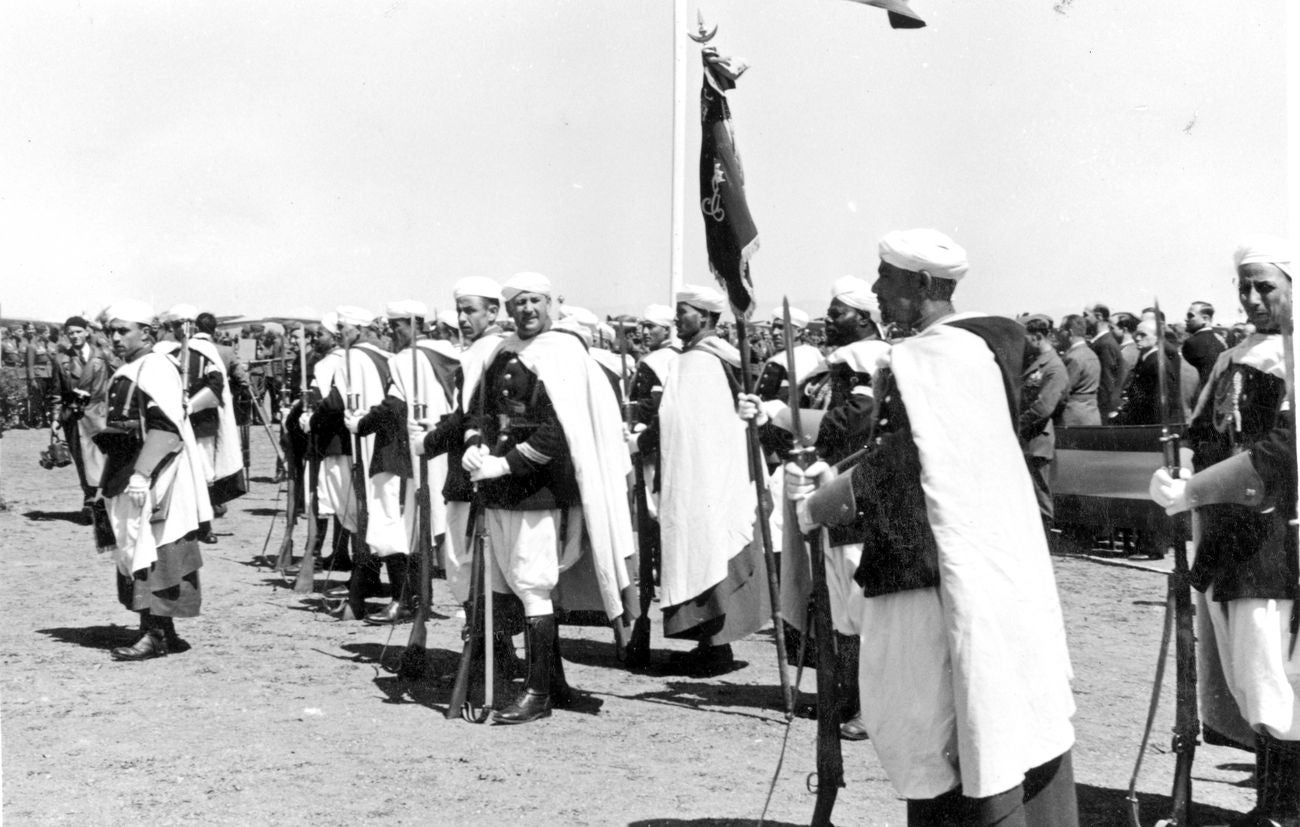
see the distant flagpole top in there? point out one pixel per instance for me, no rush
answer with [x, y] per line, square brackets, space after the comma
[702, 35]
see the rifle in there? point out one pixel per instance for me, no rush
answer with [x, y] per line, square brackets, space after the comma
[830, 759]
[354, 608]
[638, 646]
[756, 467]
[480, 613]
[305, 583]
[479, 633]
[1179, 601]
[285, 560]
[414, 662]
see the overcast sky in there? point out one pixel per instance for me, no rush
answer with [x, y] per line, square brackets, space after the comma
[286, 157]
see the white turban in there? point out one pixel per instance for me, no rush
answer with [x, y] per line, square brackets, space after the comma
[450, 318]
[526, 283]
[274, 328]
[481, 286]
[406, 309]
[798, 318]
[702, 297]
[579, 315]
[856, 293]
[353, 315]
[180, 313]
[660, 314]
[330, 321]
[928, 250]
[1265, 249]
[131, 310]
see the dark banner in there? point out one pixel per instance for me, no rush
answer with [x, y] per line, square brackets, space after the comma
[729, 230]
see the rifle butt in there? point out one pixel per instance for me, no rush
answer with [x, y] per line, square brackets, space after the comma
[830, 758]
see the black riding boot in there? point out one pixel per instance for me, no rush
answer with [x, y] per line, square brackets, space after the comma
[399, 609]
[535, 701]
[846, 676]
[152, 644]
[1281, 800]
[561, 693]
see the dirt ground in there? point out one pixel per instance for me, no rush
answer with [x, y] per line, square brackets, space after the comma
[281, 715]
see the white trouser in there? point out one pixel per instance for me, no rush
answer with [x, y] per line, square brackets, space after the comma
[1252, 636]
[526, 554]
[334, 493]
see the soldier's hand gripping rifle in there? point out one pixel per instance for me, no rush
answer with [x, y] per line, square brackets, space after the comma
[830, 760]
[638, 646]
[414, 661]
[1179, 605]
[480, 633]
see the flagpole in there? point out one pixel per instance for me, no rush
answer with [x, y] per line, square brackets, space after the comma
[675, 279]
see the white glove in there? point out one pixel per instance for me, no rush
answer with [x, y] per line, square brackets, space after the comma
[750, 407]
[138, 489]
[1170, 493]
[416, 431]
[490, 468]
[801, 482]
[352, 420]
[806, 524]
[473, 459]
[304, 422]
[633, 442]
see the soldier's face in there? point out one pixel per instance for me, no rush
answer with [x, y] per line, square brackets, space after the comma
[899, 294]
[1265, 295]
[76, 335]
[129, 339]
[843, 324]
[401, 333]
[474, 314]
[531, 313]
[654, 335]
[323, 340]
[690, 321]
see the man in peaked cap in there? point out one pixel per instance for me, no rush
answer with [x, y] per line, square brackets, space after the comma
[712, 584]
[1242, 433]
[81, 374]
[969, 734]
[153, 485]
[543, 443]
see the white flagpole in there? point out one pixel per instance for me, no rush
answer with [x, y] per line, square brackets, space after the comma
[675, 279]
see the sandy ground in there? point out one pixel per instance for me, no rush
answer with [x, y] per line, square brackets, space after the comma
[281, 715]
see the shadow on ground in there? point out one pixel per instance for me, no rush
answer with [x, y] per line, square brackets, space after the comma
[94, 637]
[48, 516]
[1102, 805]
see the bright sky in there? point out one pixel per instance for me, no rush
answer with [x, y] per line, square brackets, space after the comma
[283, 158]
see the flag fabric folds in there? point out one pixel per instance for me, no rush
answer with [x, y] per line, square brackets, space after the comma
[729, 230]
[901, 15]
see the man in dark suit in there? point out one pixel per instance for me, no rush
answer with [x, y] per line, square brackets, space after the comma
[1106, 346]
[1203, 344]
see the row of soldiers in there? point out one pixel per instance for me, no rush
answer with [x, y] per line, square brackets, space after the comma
[950, 640]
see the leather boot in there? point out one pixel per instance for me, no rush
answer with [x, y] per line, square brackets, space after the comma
[363, 583]
[1281, 800]
[846, 677]
[535, 701]
[399, 609]
[561, 692]
[175, 644]
[152, 644]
